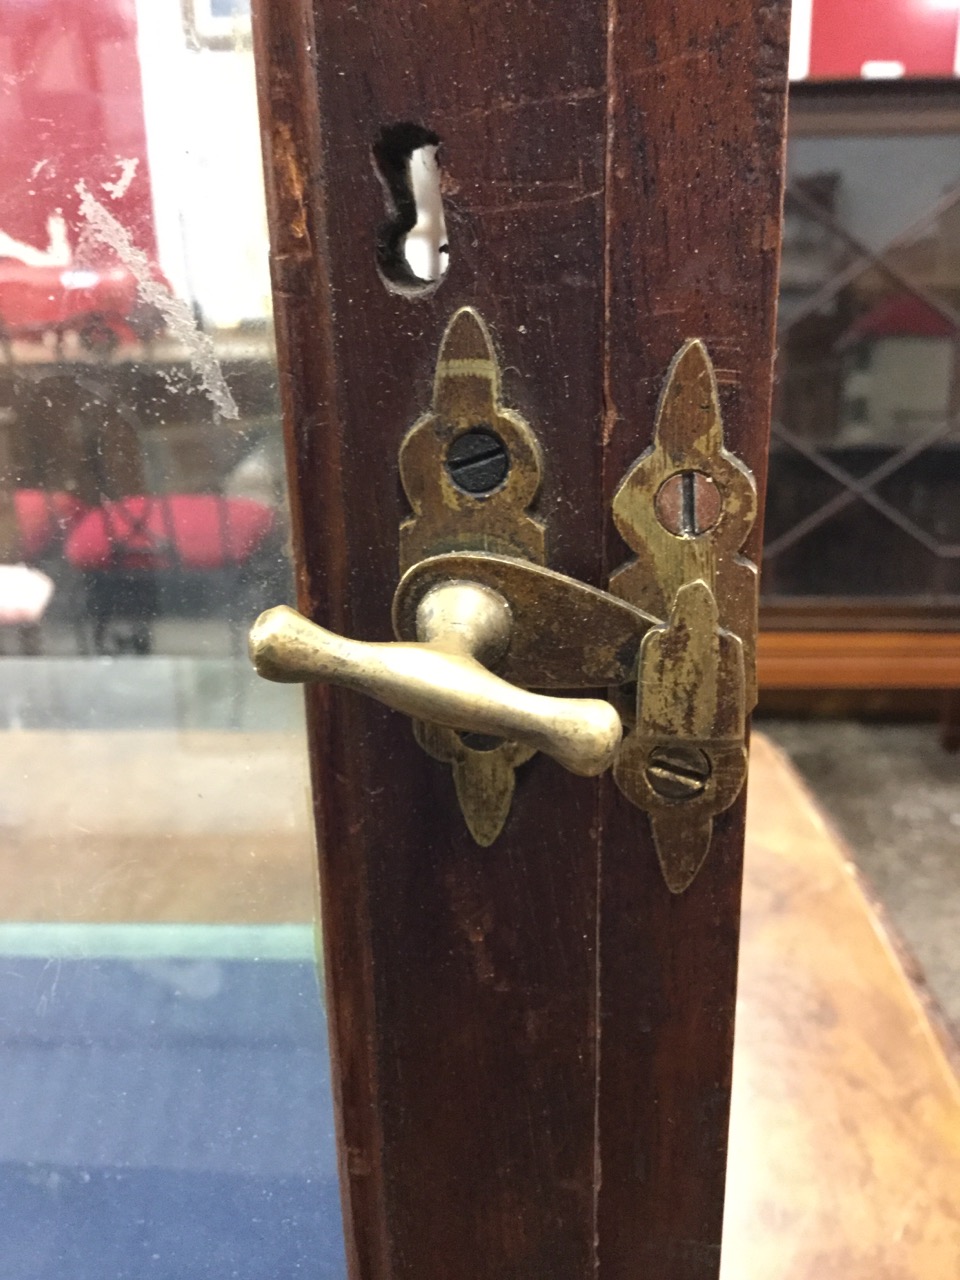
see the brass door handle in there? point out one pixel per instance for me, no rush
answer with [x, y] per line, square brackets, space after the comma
[442, 678]
[672, 640]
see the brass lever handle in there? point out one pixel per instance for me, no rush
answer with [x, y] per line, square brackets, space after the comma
[442, 679]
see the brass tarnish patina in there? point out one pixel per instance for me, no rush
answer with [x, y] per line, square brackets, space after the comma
[481, 621]
[685, 509]
[564, 633]
[446, 517]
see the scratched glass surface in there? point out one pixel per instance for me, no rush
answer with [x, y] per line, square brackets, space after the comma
[166, 1105]
[864, 495]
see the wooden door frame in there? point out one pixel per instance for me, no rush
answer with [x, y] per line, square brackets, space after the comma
[532, 1044]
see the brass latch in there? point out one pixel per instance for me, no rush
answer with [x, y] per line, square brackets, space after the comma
[481, 621]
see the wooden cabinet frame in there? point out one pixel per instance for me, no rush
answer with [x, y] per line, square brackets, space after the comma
[866, 647]
[532, 1043]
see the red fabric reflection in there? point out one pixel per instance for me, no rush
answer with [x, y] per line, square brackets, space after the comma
[919, 34]
[71, 110]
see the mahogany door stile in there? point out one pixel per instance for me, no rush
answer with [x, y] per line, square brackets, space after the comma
[694, 199]
[611, 188]
[461, 980]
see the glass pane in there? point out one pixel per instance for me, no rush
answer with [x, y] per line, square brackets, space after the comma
[167, 1107]
[864, 466]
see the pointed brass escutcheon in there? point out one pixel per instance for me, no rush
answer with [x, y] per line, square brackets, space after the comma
[689, 456]
[466, 402]
[484, 780]
[450, 517]
[685, 509]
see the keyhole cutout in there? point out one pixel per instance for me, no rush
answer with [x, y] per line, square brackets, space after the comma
[412, 250]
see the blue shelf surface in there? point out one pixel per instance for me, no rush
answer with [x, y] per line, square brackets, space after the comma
[165, 1118]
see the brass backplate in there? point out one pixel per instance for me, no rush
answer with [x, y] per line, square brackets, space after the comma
[449, 516]
[564, 634]
[685, 509]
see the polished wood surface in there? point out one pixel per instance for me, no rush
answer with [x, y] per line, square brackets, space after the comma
[612, 181]
[845, 1128]
[859, 660]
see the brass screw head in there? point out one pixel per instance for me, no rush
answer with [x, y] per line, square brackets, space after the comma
[678, 771]
[688, 504]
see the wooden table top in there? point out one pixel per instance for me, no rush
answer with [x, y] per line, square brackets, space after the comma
[845, 1127]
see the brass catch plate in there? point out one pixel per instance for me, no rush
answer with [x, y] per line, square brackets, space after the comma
[685, 509]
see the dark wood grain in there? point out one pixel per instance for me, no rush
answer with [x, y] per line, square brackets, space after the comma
[462, 982]
[313, 436]
[697, 102]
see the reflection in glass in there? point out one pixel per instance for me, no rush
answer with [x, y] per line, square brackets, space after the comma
[864, 463]
[167, 1106]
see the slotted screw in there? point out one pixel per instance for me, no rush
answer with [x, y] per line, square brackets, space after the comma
[688, 504]
[478, 461]
[678, 771]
